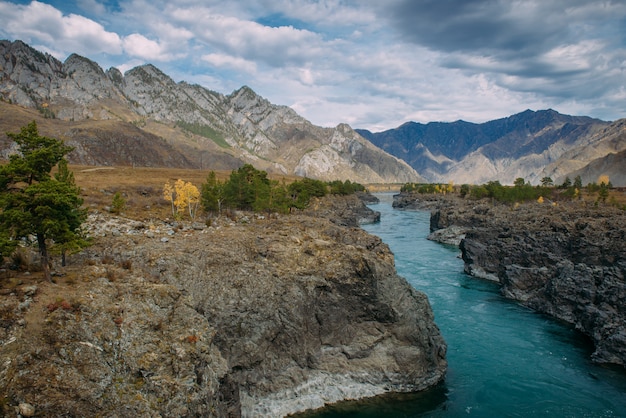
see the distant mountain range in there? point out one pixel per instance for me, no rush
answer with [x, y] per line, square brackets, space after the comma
[530, 145]
[143, 117]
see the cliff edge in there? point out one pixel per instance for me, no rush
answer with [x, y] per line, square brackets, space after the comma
[250, 316]
[566, 259]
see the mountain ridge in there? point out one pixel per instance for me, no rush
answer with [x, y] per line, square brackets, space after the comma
[530, 144]
[202, 125]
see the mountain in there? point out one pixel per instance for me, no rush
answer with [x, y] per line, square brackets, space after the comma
[605, 155]
[530, 145]
[143, 117]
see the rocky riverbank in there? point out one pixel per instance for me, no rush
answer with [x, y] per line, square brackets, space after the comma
[566, 259]
[250, 316]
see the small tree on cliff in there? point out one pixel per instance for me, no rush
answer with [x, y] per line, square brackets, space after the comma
[32, 202]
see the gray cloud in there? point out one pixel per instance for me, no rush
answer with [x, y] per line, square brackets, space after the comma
[491, 27]
[562, 50]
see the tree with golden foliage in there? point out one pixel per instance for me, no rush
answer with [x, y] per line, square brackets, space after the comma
[182, 195]
[604, 179]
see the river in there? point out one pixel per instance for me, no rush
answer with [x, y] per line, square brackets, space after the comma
[503, 359]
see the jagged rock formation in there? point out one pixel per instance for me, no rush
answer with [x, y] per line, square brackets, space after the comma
[252, 317]
[530, 145]
[203, 126]
[566, 260]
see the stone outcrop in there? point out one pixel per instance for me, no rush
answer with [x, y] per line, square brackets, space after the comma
[566, 259]
[251, 316]
[346, 210]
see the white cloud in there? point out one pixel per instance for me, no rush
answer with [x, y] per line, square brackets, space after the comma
[568, 58]
[91, 6]
[223, 60]
[137, 45]
[307, 76]
[41, 23]
[325, 13]
[247, 39]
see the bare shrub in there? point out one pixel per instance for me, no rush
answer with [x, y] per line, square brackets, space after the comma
[127, 264]
[22, 259]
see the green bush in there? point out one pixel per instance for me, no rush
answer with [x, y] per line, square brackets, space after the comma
[118, 204]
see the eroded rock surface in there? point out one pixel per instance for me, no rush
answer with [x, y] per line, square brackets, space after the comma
[567, 260]
[251, 316]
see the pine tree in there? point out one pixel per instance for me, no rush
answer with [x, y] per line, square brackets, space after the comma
[32, 202]
[212, 195]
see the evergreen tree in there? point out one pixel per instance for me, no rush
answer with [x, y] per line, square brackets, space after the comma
[547, 182]
[303, 190]
[578, 182]
[118, 203]
[32, 202]
[519, 182]
[247, 188]
[279, 198]
[212, 194]
[567, 183]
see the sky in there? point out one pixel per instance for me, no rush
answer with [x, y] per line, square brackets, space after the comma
[372, 64]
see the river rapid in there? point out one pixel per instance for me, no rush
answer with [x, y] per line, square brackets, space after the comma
[503, 359]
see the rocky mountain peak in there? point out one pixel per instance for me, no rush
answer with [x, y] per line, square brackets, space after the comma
[148, 75]
[116, 76]
[256, 109]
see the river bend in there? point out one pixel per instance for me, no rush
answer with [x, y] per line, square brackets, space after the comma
[504, 360]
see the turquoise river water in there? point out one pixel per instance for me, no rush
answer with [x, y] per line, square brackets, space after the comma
[503, 359]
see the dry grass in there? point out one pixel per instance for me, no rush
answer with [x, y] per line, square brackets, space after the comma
[142, 187]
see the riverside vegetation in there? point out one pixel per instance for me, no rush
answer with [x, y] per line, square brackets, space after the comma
[560, 250]
[247, 314]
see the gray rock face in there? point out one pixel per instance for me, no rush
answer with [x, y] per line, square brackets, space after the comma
[261, 318]
[566, 260]
[345, 210]
[241, 126]
[112, 347]
[309, 313]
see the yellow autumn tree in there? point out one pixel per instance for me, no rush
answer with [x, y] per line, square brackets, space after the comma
[170, 196]
[182, 195]
[450, 187]
[190, 197]
[603, 179]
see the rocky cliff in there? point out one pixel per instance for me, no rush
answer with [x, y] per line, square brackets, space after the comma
[207, 128]
[567, 260]
[251, 316]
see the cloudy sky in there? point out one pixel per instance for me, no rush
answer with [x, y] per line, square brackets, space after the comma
[372, 64]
